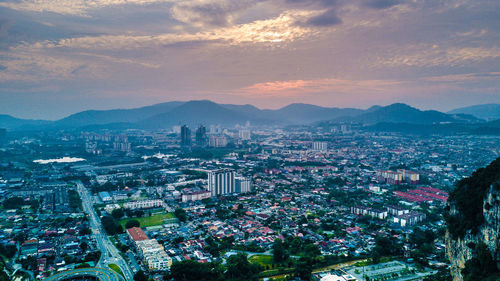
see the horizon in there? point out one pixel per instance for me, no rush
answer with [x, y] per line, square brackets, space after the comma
[260, 108]
[58, 58]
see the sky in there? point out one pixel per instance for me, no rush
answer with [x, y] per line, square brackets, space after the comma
[61, 57]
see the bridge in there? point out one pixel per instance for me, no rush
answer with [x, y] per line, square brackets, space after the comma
[92, 273]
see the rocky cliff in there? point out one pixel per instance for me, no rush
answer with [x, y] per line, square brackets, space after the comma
[473, 219]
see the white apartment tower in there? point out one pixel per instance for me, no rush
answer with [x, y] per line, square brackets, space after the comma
[221, 182]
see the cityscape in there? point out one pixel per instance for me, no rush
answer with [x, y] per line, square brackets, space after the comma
[249, 140]
[333, 200]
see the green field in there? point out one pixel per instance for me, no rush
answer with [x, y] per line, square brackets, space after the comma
[116, 268]
[261, 259]
[155, 219]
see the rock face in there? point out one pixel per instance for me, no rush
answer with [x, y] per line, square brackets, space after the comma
[460, 250]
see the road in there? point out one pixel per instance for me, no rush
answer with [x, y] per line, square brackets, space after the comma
[101, 273]
[109, 253]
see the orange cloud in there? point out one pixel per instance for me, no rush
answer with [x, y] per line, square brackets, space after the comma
[301, 87]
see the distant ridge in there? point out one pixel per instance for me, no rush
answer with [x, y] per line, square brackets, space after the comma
[9, 122]
[403, 113]
[484, 111]
[193, 113]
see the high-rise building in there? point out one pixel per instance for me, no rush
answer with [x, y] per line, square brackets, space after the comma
[201, 136]
[221, 182]
[242, 185]
[185, 136]
[244, 134]
[121, 144]
[217, 141]
[320, 146]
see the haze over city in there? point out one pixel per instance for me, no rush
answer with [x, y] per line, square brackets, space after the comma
[61, 57]
[249, 140]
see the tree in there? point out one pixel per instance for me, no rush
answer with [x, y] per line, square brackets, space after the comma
[140, 276]
[13, 202]
[84, 246]
[279, 253]
[180, 214]
[117, 213]
[481, 266]
[85, 231]
[132, 223]
[35, 204]
[190, 270]
[303, 269]
[111, 226]
[312, 250]
[238, 268]
[8, 251]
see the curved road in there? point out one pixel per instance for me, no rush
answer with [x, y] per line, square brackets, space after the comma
[109, 253]
[101, 273]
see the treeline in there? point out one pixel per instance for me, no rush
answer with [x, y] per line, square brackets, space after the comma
[237, 268]
[75, 201]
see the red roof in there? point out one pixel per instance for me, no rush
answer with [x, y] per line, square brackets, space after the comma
[137, 234]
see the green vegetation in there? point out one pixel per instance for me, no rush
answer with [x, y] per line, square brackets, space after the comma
[111, 226]
[237, 268]
[75, 201]
[117, 213]
[8, 251]
[132, 223]
[194, 174]
[216, 247]
[140, 276]
[116, 268]
[262, 260]
[468, 197]
[441, 275]
[190, 270]
[155, 219]
[279, 252]
[13, 203]
[180, 214]
[252, 247]
[482, 266]
[385, 246]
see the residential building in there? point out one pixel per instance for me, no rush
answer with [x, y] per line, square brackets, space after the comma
[221, 182]
[320, 146]
[242, 185]
[144, 204]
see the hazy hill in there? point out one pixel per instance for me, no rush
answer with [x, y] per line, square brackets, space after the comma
[483, 111]
[402, 113]
[300, 113]
[99, 117]
[193, 113]
[203, 112]
[9, 122]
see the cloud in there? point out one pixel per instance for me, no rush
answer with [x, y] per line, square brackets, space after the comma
[278, 29]
[327, 18]
[380, 4]
[430, 56]
[463, 78]
[324, 85]
[71, 7]
[209, 12]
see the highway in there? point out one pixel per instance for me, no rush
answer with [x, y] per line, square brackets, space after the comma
[101, 273]
[109, 253]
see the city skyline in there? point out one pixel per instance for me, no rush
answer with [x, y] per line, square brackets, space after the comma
[58, 58]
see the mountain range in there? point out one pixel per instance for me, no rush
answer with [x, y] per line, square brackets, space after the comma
[192, 113]
[484, 111]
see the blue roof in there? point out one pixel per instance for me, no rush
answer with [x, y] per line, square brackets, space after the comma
[104, 194]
